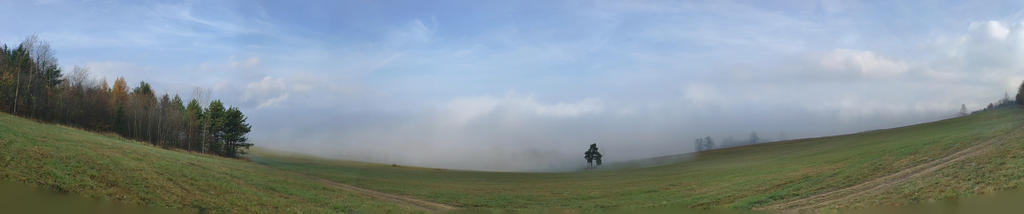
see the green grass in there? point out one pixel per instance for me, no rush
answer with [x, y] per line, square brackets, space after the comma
[107, 167]
[743, 177]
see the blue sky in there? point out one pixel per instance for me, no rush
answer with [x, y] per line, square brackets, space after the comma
[470, 84]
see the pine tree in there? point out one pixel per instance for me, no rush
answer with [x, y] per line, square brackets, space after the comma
[214, 121]
[233, 133]
[193, 125]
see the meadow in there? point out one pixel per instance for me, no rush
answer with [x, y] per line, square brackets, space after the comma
[743, 178]
[959, 157]
[107, 167]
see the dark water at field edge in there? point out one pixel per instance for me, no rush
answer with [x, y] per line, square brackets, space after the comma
[21, 198]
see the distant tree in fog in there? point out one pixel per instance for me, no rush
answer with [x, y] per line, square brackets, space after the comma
[753, 138]
[589, 155]
[1020, 94]
[592, 155]
[963, 109]
[704, 144]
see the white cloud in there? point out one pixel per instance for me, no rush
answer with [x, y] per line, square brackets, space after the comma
[992, 30]
[989, 46]
[514, 106]
[413, 32]
[418, 31]
[863, 63]
[110, 70]
[702, 94]
[272, 101]
[267, 92]
[185, 13]
[862, 84]
[248, 63]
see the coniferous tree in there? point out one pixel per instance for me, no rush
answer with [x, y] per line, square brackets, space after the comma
[194, 125]
[214, 128]
[234, 130]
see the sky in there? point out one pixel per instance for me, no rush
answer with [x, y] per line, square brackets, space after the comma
[529, 85]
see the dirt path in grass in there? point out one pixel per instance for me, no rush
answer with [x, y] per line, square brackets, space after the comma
[393, 198]
[398, 199]
[883, 183]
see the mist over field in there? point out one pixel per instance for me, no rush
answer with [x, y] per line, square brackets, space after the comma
[517, 86]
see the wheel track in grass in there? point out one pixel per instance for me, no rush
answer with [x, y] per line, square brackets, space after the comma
[398, 199]
[879, 184]
[393, 198]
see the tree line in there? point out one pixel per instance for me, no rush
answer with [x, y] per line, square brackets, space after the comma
[707, 143]
[1005, 102]
[32, 85]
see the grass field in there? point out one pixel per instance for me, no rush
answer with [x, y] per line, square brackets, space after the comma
[64, 159]
[759, 176]
[744, 177]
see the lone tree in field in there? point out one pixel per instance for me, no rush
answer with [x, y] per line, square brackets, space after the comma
[963, 109]
[589, 155]
[592, 155]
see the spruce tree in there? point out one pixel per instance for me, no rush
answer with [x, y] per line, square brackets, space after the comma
[233, 133]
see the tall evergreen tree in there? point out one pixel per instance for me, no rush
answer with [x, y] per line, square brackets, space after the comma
[234, 130]
[213, 121]
[193, 125]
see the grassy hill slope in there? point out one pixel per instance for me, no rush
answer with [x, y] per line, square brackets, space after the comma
[744, 177]
[759, 176]
[107, 167]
